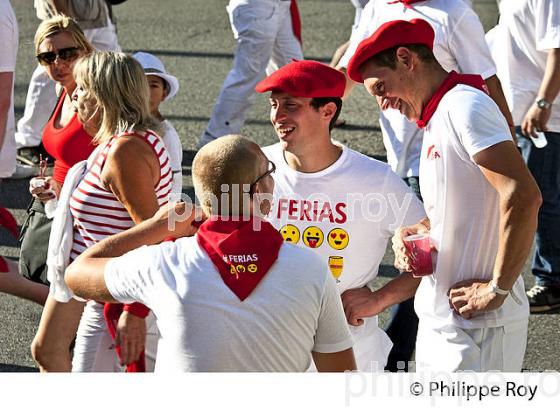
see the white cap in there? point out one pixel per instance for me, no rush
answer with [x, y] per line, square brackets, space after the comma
[153, 66]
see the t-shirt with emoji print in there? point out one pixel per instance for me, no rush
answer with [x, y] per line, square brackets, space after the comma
[347, 213]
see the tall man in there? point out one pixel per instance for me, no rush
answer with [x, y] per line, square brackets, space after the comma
[340, 203]
[526, 48]
[480, 198]
[458, 45]
[234, 297]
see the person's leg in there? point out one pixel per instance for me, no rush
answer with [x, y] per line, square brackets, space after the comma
[286, 45]
[544, 164]
[255, 39]
[57, 329]
[94, 350]
[39, 104]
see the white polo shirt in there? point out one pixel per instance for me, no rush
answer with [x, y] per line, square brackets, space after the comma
[463, 207]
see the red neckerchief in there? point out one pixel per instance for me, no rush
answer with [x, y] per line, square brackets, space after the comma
[296, 20]
[7, 221]
[112, 313]
[406, 3]
[241, 254]
[473, 80]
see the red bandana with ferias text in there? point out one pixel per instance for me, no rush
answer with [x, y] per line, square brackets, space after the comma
[241, 254]
[473, 80]
[407, 3]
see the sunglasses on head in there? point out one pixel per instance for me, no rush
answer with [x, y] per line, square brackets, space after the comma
[66, 54]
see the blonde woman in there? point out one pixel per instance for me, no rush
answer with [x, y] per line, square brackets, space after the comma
[128, 180]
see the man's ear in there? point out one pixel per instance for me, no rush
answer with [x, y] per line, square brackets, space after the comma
[405, 57]
[329, 110]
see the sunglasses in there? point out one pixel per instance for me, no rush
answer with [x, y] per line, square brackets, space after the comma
[271, 170]
[66, 54]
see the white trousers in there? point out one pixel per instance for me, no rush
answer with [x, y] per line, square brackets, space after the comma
[265, 42]
[480, 350]
[94, 351]
[41, 94]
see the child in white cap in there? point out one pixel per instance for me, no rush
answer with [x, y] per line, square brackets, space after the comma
[163, 87]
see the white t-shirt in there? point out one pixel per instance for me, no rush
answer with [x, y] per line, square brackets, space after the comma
[8, 54]
[346, 213]
[294, 310]
[175, 151]
[463, 207]
[458, 45]
[520, 42]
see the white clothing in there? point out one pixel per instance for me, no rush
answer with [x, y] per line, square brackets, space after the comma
[520, 42]
[265, 41]
[458, 45]
[486, 349]
[41, 93]
[94, 350]
[294, 310]
[463, 208]
[352, 202]
[175, 151]
[8, 54]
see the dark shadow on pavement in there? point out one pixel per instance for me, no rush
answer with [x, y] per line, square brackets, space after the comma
[5, 368]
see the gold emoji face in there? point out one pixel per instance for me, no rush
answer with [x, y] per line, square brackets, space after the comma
[338, 238]
[290, 233]
[240, 268]
[313, 237]
[252, 268]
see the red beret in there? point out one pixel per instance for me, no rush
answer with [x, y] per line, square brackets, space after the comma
[305, 78]
[391, 34]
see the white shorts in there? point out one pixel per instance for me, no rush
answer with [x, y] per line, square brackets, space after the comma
[481, 350]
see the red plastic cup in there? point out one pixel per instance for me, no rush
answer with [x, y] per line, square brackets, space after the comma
[420, 254]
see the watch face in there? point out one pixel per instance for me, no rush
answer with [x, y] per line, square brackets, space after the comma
[543, 103]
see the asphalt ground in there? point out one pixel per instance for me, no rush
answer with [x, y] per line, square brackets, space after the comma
[194, 40]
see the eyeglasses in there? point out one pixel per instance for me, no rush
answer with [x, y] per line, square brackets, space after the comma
[271, 170]
[66, 54]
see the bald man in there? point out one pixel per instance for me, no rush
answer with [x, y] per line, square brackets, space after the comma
[236, 272]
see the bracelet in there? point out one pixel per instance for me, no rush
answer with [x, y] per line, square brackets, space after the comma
[499, 291]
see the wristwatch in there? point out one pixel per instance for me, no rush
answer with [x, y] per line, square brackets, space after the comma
[543, 104]
[494, 288]
[499, 291]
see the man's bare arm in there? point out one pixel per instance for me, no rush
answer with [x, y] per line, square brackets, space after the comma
[335, 362]
[497, 94]
[6, 84]
[519, 203]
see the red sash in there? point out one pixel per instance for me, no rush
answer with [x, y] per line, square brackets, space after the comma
[296, 20]
[473, 80]
[241, 254]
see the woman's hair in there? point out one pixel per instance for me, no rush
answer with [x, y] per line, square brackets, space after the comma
[61, 24]
[116, 81]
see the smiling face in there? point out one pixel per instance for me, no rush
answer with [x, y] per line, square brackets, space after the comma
[60, 70]
[338, 238]
[392, 88]
[294, 119]
[313, 237]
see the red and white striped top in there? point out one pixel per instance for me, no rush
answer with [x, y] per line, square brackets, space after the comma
[97, 212]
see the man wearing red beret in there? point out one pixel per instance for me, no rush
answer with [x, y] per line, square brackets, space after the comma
[458, 45]
[336, 201]
[479, 196]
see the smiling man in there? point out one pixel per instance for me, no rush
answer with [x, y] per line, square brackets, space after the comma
[340, 203]
[479, 196]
